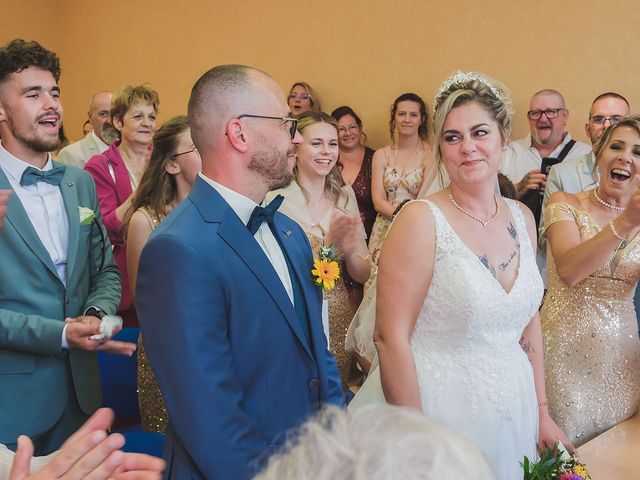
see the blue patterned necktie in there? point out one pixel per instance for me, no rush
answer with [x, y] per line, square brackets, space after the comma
[264, 214]
[32, 175]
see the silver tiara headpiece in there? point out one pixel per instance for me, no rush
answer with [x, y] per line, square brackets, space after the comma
[464, 77]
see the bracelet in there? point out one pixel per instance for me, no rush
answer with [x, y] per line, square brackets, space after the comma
[615, 232]
[543, 404]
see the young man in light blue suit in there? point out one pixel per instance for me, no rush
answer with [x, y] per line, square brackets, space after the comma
[56, 263]
[231, 320]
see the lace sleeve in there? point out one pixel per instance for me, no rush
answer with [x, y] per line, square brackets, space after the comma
[557, 212]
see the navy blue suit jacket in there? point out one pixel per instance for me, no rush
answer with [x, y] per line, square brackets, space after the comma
[232, 361]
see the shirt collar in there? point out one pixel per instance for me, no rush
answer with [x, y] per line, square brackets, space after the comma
[558, 149]
[241, 205]
[103, 146]
[14, 167]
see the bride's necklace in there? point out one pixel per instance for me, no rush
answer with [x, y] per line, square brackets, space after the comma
[469, 214]
[608, 205]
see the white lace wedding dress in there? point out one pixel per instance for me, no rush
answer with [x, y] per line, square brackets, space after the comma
[473, 375]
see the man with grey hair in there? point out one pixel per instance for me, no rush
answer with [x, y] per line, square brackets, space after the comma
[230, 316]
[96, 141]
[523, 160]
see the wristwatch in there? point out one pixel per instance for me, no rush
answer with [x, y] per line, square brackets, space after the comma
[94, 312]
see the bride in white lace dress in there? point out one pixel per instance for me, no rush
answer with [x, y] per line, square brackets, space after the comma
[457, 329]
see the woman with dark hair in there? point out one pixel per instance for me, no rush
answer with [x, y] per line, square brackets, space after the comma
[327, 211]
[117, 173]
[398, 169]
[172, 169]
[354, 163]
[302, 99]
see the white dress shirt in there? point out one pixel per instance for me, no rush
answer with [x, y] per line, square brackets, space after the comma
[45, 209]
[101, 145]
[520, 156]
[243, 207]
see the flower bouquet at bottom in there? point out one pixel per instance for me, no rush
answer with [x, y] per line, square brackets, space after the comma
[554, 464]
[326, 268]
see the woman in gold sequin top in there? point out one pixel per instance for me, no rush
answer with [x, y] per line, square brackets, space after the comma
[173, 167]
[592, 353]
[327, 210]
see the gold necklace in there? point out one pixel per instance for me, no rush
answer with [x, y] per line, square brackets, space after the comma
[610, 206]
[469, 214]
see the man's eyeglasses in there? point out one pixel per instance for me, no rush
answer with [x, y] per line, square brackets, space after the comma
[602, 119]
[303, 96]
[194, 149]
[293, 120]
[550, 113]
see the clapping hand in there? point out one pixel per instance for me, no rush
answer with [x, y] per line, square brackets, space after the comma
[88, 454]
[79, 332]
[632, 213]
[343, 232]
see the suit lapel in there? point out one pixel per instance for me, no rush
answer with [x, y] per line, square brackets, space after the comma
[585, 172]
[213, 208]
[70, 199]
[17, 216]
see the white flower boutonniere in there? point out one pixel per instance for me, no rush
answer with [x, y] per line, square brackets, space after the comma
[87, 216]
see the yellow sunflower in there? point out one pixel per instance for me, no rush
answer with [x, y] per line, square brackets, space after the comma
[326, 272]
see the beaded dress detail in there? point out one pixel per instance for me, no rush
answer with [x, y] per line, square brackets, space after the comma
[153, 410]
[592, 352]
[472, 373]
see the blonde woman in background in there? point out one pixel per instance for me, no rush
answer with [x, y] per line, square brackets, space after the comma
[302, 99]
[327, 210]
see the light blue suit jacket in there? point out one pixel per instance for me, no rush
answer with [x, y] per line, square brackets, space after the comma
[231, 358]
[34, 303]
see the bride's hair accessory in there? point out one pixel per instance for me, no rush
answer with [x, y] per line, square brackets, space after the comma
[460, 78]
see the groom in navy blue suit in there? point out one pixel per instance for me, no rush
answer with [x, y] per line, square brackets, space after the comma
[230, 318]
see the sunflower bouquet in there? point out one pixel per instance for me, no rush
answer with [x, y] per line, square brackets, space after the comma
[326, 267]
[554, 464]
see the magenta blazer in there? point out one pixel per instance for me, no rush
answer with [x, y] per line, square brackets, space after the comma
[113, 186]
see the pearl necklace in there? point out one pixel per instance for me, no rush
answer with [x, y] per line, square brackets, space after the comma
[615, 208]
[469, 214]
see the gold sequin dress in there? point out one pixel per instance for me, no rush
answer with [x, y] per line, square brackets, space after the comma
[153, 411]
[592, 352]
[340, 315]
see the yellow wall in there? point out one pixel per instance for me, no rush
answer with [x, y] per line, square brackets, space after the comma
[362, 53]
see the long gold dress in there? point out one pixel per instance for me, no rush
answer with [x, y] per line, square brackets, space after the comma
[153, 410]
[340, 315]
[591, 347]
[339, 308]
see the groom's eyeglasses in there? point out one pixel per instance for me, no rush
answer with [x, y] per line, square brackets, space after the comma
[292, 127]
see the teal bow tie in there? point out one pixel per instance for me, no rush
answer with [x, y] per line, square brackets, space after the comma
[32, 175]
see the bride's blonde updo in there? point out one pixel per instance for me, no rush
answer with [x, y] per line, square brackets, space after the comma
[463, 87]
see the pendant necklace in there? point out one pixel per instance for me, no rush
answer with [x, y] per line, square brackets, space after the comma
[469, 214]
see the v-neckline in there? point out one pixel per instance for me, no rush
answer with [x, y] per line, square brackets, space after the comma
[476, 258]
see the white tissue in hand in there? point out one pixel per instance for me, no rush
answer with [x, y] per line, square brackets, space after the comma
[108, 325]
